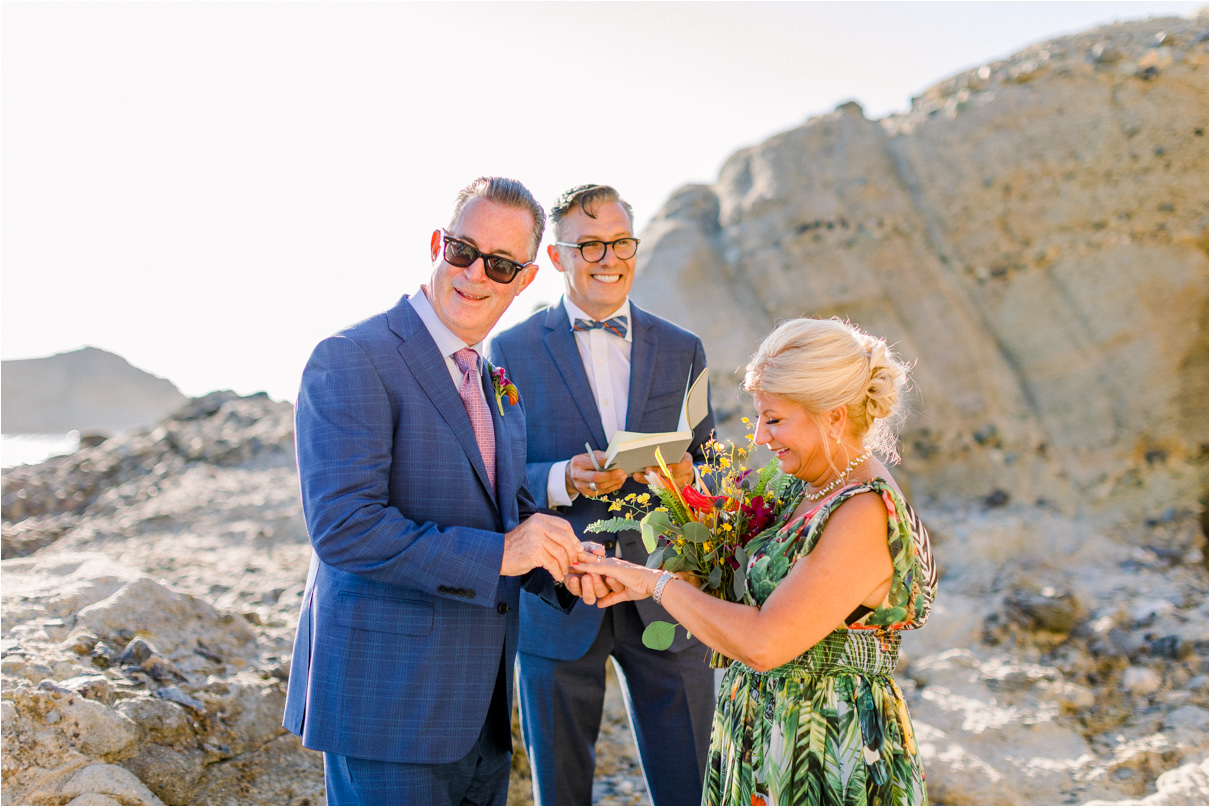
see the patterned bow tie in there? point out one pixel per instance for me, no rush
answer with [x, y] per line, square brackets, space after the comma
[615, 325]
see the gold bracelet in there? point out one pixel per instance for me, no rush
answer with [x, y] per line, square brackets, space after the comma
[658, 591]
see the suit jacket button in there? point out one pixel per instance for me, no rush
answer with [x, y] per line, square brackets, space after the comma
[503, 608]
[470, 593]
[608, 544]
[443, 588]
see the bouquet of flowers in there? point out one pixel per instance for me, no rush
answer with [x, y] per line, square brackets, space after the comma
[702, 529]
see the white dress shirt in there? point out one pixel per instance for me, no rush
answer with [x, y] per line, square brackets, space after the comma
[447, 342]
[607, 363]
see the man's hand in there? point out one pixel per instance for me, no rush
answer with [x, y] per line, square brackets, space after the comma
[683, 472]
[580, 476]
[541, 541]
[589, 587]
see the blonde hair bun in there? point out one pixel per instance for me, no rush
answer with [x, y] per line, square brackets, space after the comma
[824, 364]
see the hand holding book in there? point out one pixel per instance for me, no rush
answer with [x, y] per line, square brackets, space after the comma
[635, 451]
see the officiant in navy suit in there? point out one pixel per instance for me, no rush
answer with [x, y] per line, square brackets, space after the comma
[587, 366]
[412, 468]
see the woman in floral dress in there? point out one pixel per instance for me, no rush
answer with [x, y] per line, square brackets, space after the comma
[808, 713]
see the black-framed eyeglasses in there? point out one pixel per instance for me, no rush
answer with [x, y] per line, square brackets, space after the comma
[460, 254]
[594, 251]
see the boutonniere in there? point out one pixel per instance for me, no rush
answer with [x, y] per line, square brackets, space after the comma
[503, 387]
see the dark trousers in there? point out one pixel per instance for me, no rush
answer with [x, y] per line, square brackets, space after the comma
[670, 698]
[481, 777]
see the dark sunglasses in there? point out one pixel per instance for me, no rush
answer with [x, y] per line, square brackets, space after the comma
[460, 254]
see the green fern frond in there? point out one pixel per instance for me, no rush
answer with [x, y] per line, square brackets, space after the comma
[673, 504]
[614, 525]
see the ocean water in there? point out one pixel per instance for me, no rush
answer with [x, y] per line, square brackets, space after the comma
[17, 450]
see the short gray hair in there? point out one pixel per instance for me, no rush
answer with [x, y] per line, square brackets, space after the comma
[507, 193]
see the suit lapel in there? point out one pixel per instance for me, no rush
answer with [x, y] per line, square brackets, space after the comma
[429, 368]
[562, 345]
[643, 364]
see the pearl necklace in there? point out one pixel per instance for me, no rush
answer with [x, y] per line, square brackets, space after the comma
[859, 460]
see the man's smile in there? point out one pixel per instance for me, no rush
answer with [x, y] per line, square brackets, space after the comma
[470, 296]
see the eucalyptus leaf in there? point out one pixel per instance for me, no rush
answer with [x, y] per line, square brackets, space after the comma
[695, 532]
[659, 635]
[715, 578]
[739, 587]
[659, 520]
[679, 563]
[655, 558]
[649, 535]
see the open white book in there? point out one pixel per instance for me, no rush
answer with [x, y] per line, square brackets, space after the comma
[635, 451]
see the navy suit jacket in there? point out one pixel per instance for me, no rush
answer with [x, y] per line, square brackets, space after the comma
[540, 357]
[405, 616]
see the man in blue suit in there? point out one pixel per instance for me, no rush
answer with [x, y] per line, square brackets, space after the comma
[589, 365]
[411, 464]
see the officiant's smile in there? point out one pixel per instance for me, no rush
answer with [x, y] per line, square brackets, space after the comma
[596, 254]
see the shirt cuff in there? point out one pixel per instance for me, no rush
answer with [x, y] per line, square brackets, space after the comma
[557, 489]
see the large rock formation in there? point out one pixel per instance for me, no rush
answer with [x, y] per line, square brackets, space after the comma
[1033, 233]
[88, 390]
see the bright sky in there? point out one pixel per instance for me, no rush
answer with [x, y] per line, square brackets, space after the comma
[208, 189]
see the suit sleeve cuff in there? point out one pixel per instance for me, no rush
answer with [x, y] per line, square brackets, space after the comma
[557, 490]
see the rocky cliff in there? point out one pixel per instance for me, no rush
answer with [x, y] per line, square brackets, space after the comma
[88, 390]
[1033, 233]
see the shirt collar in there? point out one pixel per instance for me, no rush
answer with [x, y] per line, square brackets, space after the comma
[575, 312]
[447, 341]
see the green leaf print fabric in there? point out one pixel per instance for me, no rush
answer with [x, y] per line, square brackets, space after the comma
[829, 727]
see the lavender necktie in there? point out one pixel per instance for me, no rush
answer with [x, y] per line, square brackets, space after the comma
[472, 392]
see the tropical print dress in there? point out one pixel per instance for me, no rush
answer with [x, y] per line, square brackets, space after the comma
[829, 727]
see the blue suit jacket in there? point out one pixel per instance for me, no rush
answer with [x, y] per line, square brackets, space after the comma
[405, 615]
[540, 357]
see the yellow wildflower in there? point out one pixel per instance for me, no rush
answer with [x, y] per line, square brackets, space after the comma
[616, 505]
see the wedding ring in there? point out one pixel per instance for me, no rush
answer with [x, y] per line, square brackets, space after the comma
[593, 486]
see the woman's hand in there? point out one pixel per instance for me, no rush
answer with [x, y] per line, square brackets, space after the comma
[624, 580]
